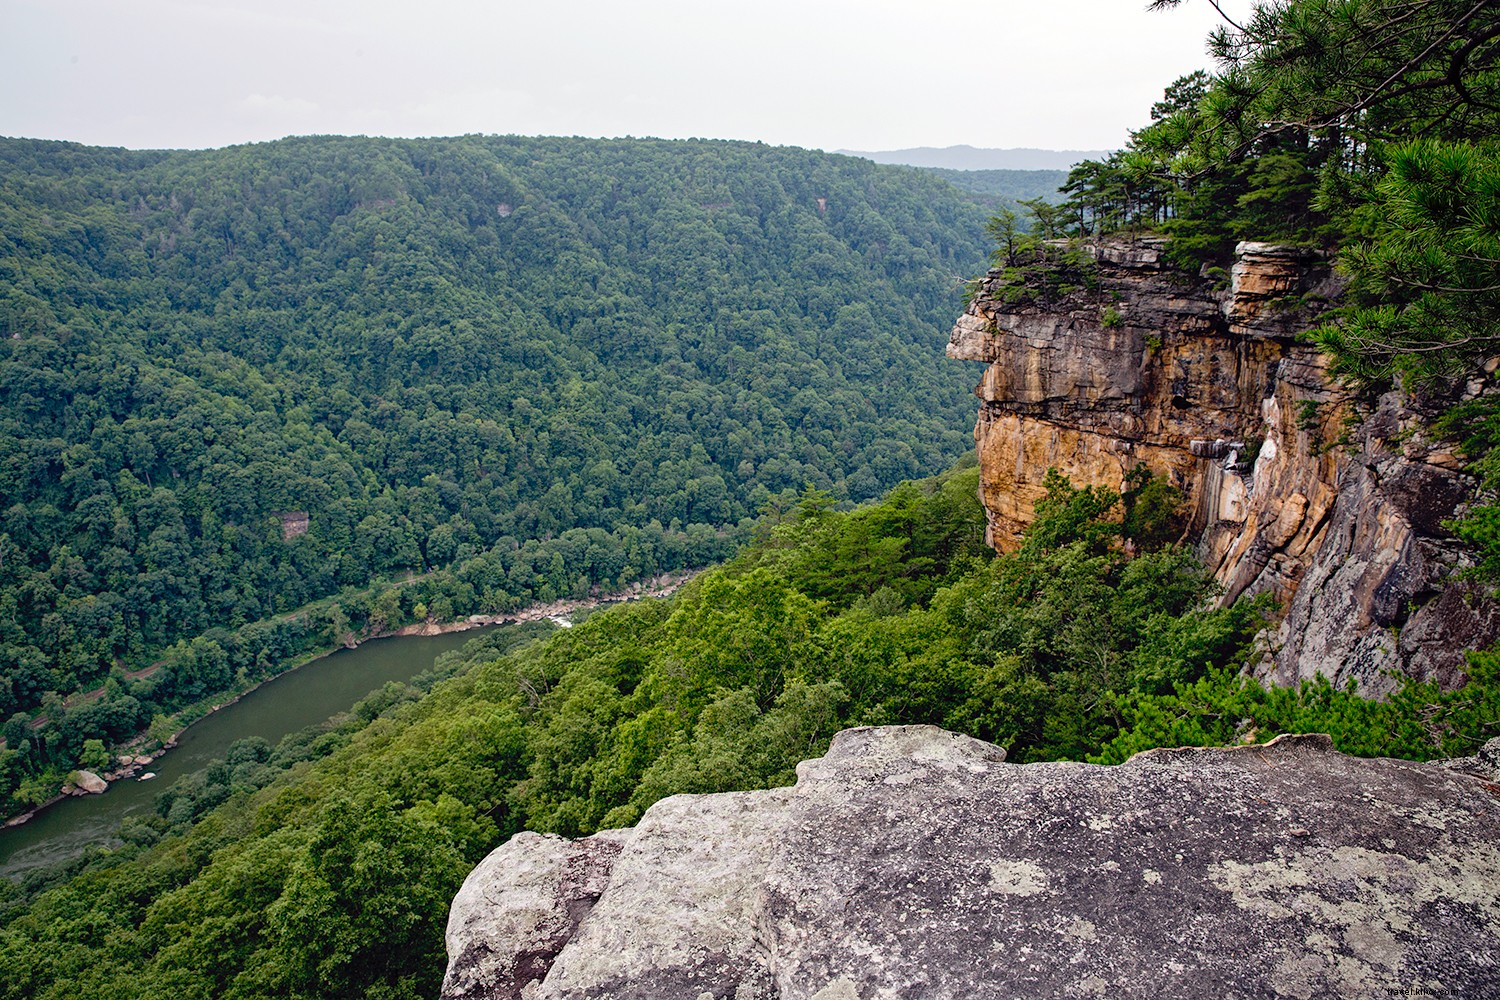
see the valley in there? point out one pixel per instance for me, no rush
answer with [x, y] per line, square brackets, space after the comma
[1199, 581]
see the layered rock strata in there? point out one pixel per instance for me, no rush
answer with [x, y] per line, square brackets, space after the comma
[1332, 504]
[912, 862]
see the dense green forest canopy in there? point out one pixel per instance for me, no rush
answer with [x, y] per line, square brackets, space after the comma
[511, 368]
[324, 867]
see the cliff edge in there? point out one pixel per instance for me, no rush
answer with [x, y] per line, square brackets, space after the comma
[1333, 504]
[913, 862]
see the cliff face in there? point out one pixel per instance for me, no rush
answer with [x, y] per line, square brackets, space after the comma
[1332, 504]
[912, 862]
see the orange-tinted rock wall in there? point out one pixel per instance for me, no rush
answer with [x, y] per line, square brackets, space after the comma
[1294, 487]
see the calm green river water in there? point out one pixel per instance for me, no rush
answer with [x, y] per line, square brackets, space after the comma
[293, 701]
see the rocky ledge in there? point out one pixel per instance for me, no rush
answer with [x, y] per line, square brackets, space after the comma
[912, 862]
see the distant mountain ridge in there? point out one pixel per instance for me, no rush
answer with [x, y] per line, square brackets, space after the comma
[996, 188]
[971, 158]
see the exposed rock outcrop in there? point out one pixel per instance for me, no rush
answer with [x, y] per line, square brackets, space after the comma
[294, 523]
[1334, 505]
[912, 862]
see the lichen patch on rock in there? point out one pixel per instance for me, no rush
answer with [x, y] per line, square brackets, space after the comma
[982, 878]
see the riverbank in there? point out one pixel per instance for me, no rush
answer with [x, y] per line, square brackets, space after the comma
[661, 586]
[143, 749]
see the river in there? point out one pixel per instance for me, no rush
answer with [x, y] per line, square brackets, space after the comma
[295, 700]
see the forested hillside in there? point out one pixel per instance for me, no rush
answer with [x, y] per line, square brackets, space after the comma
[514, 368]
[327, 867]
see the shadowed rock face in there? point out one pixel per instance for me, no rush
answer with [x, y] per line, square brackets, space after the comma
[914, 863]
[1336, 507]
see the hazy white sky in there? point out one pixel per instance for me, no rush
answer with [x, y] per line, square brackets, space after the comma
[859, 74]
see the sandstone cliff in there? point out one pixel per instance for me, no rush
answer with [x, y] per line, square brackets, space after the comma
[912, 862]
[1331, 503]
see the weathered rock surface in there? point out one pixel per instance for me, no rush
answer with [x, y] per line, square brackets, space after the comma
[914, 863]
[90, 782]
[1334, 506]
[1484, 764]
[520, 906]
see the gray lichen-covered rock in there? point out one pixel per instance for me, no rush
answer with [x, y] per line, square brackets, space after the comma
[911, 862]
[1484, 764]
[520, 906]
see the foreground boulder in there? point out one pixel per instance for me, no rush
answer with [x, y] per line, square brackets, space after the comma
[913, 862]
